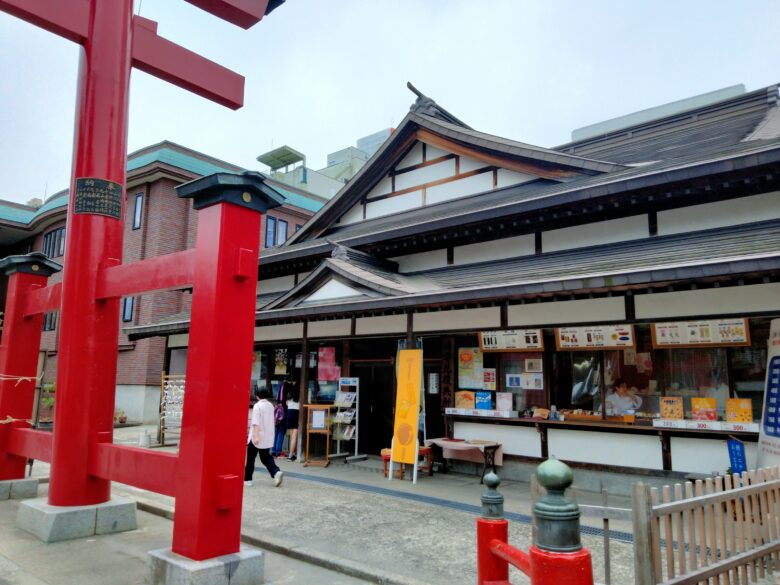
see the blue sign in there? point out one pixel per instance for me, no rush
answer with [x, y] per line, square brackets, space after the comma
[772, 399]
[737, 455]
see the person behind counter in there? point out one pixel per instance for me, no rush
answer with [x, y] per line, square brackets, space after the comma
[620, 401]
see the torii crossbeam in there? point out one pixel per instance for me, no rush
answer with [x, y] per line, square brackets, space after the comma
[113, 42]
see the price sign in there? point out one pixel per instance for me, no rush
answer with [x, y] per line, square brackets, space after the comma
[514, 339]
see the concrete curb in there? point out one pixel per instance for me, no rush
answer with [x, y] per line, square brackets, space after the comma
[300, 553]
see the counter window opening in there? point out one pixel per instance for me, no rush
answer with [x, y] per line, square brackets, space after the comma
[646, 383]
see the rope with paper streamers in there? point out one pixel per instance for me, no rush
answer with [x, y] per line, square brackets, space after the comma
[8, 420]
[20, 379]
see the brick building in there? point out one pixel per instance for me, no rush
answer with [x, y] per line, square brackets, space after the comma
[157, 222]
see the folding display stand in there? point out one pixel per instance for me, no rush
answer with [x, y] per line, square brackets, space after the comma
[318, 423]
[346, 421]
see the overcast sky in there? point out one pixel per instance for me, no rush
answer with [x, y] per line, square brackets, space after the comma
[321, 74]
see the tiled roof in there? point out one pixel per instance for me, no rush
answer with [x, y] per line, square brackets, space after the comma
[179, 159]
[684, 257]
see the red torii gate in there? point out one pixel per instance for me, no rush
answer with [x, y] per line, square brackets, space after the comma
[205, 477]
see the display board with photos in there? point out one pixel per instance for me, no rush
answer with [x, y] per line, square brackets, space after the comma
[702, 333]
[511, 340]
[595, 337]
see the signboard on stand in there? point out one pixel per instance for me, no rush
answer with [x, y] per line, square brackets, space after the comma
[769, 432]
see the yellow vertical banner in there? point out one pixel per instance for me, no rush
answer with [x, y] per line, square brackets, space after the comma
[407, 405]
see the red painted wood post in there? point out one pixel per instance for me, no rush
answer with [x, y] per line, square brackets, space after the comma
[214, 422]
[554, 568]
[86, 372]
[491, 568]
[491, 526]
[19, 351]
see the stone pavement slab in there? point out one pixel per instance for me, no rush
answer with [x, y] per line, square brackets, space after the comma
[118, 559]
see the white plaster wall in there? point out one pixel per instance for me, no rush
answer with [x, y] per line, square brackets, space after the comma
[495, 250]
[470, 164]
[694, 455]
[393, 204]
[514, 440]
[422, 261]
[179, 340]
[621, 449]
[432, 152]
[414, 157]
[140, 403]
[459, 188]
[711, 301]
[460, 319]
[272, 285]
[719, 214]
[383, 187]
[383, 324]
[333, 289]
[336, 328]
[506, 177]
[592, 234]
[561, 312]
[279, 332]
[353, 215]
[427, 174]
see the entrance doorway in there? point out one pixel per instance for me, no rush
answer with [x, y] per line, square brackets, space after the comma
[377, 390]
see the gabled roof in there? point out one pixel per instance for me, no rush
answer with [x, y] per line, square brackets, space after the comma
[536, 196]
[429, 122]
[360, 272]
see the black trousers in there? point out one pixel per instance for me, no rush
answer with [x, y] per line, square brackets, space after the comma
[265, 458]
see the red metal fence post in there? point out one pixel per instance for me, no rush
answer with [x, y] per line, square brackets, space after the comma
[19, 351]
[86, 372]
[213, 437]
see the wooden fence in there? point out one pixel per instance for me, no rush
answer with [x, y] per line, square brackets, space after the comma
[722, 530]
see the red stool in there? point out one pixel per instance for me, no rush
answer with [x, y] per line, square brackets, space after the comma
[425, 452]
[385, 453]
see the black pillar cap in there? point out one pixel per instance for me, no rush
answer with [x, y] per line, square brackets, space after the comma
[246, 189]
[32, 263]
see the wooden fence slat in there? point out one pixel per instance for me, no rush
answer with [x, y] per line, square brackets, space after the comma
[692, 564]
[645, 543]
[739, 528]
[712, 516]
[747, 507]
[680, 521]
[655, 532]
[668, 535]
[709, 513]
[766, 522]
[698, 488]
[758, 530]
[720, 521]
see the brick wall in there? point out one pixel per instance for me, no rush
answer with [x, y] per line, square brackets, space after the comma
[168, 224]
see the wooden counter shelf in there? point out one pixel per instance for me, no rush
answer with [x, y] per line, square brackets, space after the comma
[607, 426]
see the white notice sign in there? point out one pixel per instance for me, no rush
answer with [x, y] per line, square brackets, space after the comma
[697, 333]
[522, 339]
[595, 337]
